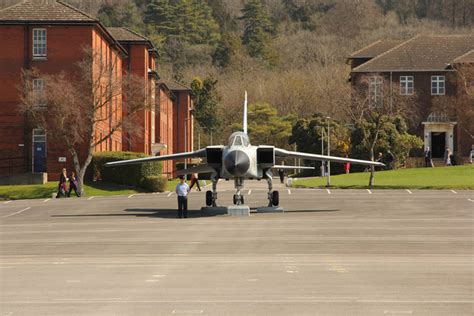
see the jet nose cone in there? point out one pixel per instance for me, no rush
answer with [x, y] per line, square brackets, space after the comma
[237, 162]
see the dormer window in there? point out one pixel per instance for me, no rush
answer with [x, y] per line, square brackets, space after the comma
[39, 44]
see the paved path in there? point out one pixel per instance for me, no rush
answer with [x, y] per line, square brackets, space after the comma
[336, 252]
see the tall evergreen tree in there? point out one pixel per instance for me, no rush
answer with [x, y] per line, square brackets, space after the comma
[185, 20]
[126, 14]
[257, 29]
[205, 99]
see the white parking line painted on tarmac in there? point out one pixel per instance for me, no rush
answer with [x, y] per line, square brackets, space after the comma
[46, 200]
[191, 311]
[398, 312]
[250, 192]
[16, 213]
[470, 200]
[170, 194]
[7, 202]
[131, 195]
[90, 198]
[409, 192]
[289, 191]
[329, 192]
[150, 281]
[454, 192]
[370, 192]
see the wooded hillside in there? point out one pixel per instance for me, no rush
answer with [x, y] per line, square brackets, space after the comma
[290, 54]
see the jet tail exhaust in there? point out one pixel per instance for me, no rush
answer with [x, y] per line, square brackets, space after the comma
[245, 113]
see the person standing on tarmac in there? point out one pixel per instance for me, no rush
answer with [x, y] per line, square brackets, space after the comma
[195, 180]
[182, 190]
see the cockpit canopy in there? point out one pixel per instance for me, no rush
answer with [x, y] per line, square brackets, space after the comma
[239, 139]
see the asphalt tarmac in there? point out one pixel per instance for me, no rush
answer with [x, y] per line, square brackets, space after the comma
[333, 252]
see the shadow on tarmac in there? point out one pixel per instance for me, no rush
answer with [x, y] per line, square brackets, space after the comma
[172, 213]
[144, 212]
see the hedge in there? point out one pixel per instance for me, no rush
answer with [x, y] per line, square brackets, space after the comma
[155, 183]
[134, 175]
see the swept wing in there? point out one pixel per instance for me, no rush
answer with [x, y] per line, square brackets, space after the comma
[295, 154]
[191, 154]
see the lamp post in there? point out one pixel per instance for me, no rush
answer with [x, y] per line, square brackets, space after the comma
[329, 154]
[186, 143]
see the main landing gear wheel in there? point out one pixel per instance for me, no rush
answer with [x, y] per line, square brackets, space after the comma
[238, 199]
[275, 198]
[209, 198]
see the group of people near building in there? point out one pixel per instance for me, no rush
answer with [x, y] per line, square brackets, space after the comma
[63, 189]
[449, 158]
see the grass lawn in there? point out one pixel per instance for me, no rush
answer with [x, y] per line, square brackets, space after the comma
[38, 191]
[458, 177]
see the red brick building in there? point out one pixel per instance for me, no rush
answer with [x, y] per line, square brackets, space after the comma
[424, 66]
[140, 61]
[176, 122]
[48, 35]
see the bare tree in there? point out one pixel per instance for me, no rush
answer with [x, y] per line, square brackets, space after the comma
[374, 102]
[84, 109]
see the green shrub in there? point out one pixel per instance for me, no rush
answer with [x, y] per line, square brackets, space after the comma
[154, 183]
[130, 174]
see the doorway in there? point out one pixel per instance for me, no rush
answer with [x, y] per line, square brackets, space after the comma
[438, 144]
[39, 150]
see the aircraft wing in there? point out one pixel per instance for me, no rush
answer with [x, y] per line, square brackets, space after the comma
[191, 154]
[294, 154]
[197, 169]
[285, 167]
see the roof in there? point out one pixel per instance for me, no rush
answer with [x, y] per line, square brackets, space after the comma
[123, 34]
[176, 86]
[50, 11]
[375, 49]
[421, 53]
[467, 58]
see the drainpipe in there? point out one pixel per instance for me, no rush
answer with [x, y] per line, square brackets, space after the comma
[391, 92]
[26, 65]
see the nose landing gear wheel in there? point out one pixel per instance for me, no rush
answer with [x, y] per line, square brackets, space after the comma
[208, 198]
[238, 199]
[275, 198]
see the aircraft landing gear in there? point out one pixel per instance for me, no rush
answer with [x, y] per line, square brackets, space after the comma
[273, 196]
[211, 196]
[238, 197]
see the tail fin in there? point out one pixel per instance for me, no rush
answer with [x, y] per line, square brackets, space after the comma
[245, 114]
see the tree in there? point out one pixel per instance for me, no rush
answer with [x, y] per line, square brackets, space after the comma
[205, 99]
[126, 14]
[265, 126]
[226, 48]
[82, 109]
[310, 135]
[186, 20]
[257, 29]
[373, 113]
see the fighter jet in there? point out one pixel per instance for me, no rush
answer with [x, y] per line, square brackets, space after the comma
[239, 161]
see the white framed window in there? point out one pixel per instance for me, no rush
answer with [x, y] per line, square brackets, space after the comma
[376, 91]
[438, 85]
[407, 85]
[39, 44]
[39, 93]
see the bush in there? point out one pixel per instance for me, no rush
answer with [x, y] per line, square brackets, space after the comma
[154, 183]
[130, 174]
